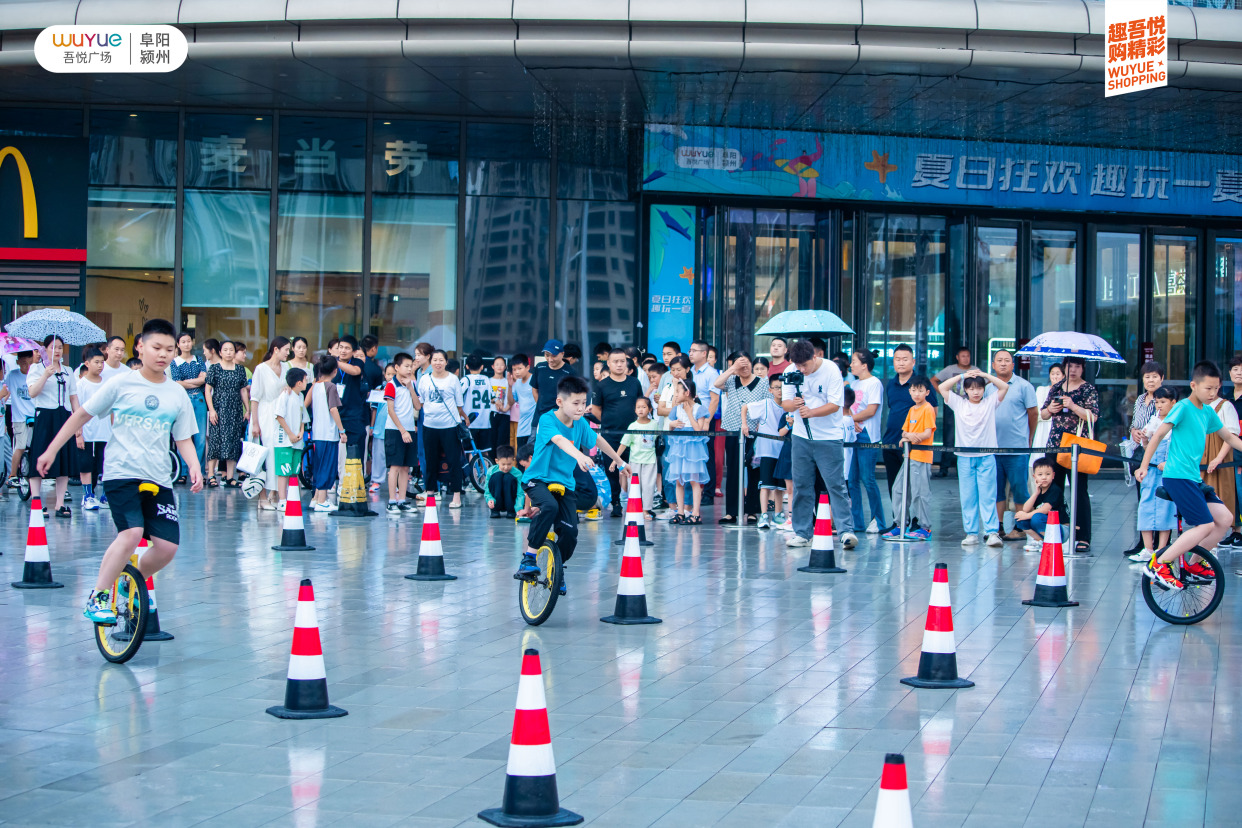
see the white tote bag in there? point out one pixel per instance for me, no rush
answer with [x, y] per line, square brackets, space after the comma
[253, 455]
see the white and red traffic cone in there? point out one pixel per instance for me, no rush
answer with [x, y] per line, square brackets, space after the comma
[938, 663]
[823, 558]
[306, 689]
[631, 607]
[1051, 585]
[152, 628]
[430, 552]
[634, 514]
[293, 532]
[37, 571]
[892, 806]
[531, 799]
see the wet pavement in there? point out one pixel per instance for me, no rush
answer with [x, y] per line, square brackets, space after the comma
[767, 697]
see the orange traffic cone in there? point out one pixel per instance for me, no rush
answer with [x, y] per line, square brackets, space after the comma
[631, 605]
[37, 571]
[892, 806]
[430, 553]
[152, 631]
[938, 663]
[634, 514]
[1051, 586]
[306, 689]
[293, 532]
[531, 799]
[823, 558]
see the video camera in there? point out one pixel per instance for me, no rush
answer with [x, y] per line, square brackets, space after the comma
[796, 378]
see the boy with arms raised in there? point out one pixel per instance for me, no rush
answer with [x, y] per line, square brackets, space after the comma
[1207, 518]
[561, 441]
[146, 407]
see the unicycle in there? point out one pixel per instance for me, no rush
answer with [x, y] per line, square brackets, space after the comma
[1196, 601]
[537, 594]
[120, 642]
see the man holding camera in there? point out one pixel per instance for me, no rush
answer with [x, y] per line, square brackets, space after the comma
[818, 432]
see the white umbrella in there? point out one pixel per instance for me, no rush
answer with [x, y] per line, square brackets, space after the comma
[1071, 344]
[71, 328]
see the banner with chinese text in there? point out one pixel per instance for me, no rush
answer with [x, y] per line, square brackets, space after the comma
[1136, 45]
[938, 171]
[670, 311]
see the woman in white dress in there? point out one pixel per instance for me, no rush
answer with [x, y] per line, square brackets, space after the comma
[265, 389]
[1056, 373]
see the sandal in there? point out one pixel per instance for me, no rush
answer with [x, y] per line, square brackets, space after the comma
[677, 519]
[1082, 548]
[728, 520]
[63, 512]
[751, 520]
[231, 483]
[213, 482]
[692, 520]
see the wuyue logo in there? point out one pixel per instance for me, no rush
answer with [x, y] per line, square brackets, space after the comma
[111, 48]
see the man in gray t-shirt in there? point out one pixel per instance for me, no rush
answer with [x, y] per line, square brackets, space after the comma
[1015, 423]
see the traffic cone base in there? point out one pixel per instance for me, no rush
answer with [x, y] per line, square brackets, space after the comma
[306, 688]
[631, 606]
[353, 498]
[1051, 585]
[823, 558]
[430, 552]
[938, 662]
[37, 569]
[634, 514]
[293, 529]
[531, 799]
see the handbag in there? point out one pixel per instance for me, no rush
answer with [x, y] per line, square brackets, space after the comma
[1087, 463]
[252, 457]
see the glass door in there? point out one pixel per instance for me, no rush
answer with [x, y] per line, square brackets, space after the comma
[996, 273]
[906, 263]
[1174, 279]
[1054, 288]
[1226, 287]
[1115, 308]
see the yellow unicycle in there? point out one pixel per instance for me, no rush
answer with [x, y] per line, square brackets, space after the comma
[119, 642]
[538, 591]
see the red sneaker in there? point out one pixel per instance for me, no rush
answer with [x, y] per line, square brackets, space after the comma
[1199, 569]
[1162, 574]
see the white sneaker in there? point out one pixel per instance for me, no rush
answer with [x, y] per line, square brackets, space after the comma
[765, 521]
[849, 540]
[873, 528]
[90, 504]
[970, 540]
[797, 540]
[994, 539]
[280, 507]
[1032, 545]
[1141, 556]
[322, 507]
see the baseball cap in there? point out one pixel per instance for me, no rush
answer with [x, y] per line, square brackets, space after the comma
[554, 347]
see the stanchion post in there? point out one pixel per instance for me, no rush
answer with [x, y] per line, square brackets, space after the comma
[905, 488]
[1073, 521]
[741, 478]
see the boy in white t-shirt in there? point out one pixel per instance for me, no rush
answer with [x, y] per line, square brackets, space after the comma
[864, 420]
[476, 392]
[400, 447]
[327, 432]
[975, 427]
[94, 435]
[291, 419]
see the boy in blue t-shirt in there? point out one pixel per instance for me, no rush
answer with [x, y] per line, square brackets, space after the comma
[561, 442]
[1208, 520]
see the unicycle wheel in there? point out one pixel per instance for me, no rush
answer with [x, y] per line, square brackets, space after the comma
[1194, 603]
[537, 596]
[120, 643]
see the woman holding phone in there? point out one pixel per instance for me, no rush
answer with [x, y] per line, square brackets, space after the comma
[1071, 402]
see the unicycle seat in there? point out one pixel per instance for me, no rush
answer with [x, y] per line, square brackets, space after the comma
[1208, 491]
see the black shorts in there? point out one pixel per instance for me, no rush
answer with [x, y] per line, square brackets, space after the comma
[1190, 499]
[399, 453]
[156, 514]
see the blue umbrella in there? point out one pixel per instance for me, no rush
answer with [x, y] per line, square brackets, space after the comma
[1071, 344]
[71, 328]
[804, 323]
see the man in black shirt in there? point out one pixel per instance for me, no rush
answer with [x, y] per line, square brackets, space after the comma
[613, 405]
[372, 372]
[354, 407]
[897, 398]
[545, 377]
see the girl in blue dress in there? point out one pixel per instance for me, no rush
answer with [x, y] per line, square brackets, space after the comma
[687, 455]
[1157, 517]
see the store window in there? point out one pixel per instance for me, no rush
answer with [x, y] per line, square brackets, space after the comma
[504, 160]
[133, 149]
[413, 273]
[232, 151]
[130, 242]
[506, 295]
[1054, 280]
[1117, 298]
[52, 123]
[415, 157]
[906, 267]
[1227, 299]
[595, 296]
[591, 161]
[318, 266]
[1175, 262]
[996, 265]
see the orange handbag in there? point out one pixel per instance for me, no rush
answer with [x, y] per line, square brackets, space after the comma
[1087, 463]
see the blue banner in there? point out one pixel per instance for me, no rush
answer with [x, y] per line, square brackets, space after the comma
[938, 171]
[670, 307]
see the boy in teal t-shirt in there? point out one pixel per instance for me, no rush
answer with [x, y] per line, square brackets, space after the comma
[1208, 519]
[562, 439]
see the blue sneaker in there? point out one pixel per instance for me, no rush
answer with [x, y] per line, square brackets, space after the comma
[921, 533]
[99, 609]
[893, 533]
[561, 591]
[103, 500]
[528, 568]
